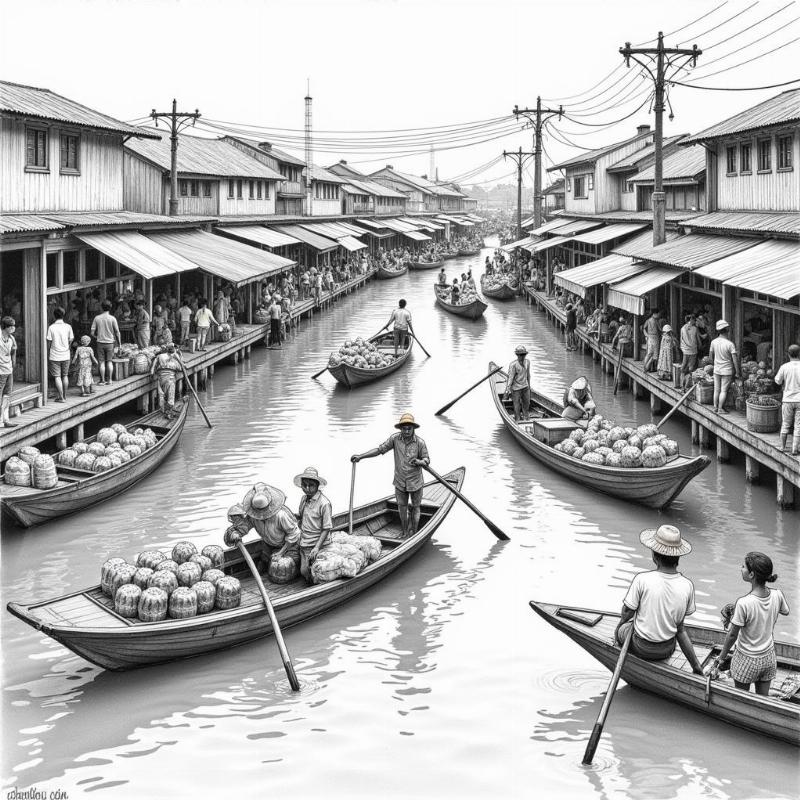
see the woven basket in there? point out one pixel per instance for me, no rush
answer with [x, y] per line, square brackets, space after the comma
[763, 419]
[704, 393]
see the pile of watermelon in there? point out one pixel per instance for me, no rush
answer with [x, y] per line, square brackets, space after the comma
[606, 444]
[759, 378]
[360, 353]
[178, 585]
[111, 448]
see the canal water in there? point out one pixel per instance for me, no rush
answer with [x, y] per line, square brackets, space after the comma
[439, 682]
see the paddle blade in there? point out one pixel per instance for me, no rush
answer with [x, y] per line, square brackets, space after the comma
[291, 675]
[594, 740]
[497, 532]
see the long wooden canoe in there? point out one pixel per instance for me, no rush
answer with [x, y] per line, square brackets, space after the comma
[673, 678]
[351, 377]
[471, 310]
[656, 487]
[78, 488]
[385, 273]
[469, 252]
[86, 623]
[425, 264]
[503, 291]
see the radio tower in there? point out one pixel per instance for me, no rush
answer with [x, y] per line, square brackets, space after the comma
[309, 154]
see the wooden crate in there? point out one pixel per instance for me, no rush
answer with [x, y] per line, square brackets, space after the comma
[553, 431]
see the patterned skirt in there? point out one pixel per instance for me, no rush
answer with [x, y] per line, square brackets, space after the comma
[749, 669]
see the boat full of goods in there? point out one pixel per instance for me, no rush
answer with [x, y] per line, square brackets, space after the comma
[361, 360]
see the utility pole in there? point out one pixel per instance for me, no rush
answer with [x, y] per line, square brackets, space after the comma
[520, 158]
[659, 55]
[177, 121]
[541, 115]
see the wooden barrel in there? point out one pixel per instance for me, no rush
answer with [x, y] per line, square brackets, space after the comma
[763, 419]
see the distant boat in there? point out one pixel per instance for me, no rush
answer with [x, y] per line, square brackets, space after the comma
[425, 264]
[504, 290]
[385, 273]
[351, 376]
[471, 310]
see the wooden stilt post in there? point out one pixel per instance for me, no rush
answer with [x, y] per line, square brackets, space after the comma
[751, 469]
[61, 440]
[705, 436]
[78, 432]
[723, 450]
[695, 432]
[655, 403]
[784, 492]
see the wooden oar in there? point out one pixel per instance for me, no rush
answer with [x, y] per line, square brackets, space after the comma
[314, 377]
[194, 393]
[453, 402]
[352, 490]
[618, 371]
[422, 346]
[597, 731]
[676, 406]
[276, 629]
[489, 524]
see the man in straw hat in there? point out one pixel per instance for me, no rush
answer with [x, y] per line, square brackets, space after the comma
[410, 455]
[518, 384]
[578, 400]
[658, 601]
[316, 517]
[263, 509]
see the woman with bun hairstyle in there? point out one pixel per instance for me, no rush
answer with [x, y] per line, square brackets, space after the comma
[754, 617]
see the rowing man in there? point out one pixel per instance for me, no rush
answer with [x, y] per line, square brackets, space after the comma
[410, 455]
[401, 317]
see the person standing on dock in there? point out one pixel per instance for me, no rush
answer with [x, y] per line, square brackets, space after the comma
[410, 455]
[726, 365]
[275, 313]
[59, 338]
[8, 352]
[690, 344]
[203, 320]
[788, 376]
[316, 517]
[401, 317]
[142, 325]
[570, 327]
[518, 384]
[651, 330]
[105, 329]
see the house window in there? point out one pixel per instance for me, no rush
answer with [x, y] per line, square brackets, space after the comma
[258, 189]
[591, 182]
[92, 267]
[36, 151]
[183, 188]
[627, 187]
[266, 190]
[230, 188]
[69, 153]
[53, 281]
[194, 188]
[580, 186]
[569, 184]
[252, 188]
[765, 155]
[730, 153]
[744, 158]
[206, 188]
[70, 267]
[785, 144]
[239, 189]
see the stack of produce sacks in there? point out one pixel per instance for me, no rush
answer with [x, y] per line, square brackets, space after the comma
[360, 353]
[17, 472]
[112, 447]
[44, 472]
[183, 584]
[344, 556]
[606, 444]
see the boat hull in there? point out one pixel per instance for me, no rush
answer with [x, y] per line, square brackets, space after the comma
[120, 644]
[425, 264]
[468, 252]
[766, 715]
[39, 506]
[655, 487]
[472, 310]
[504, 292]
[384, 274]
[351, 377]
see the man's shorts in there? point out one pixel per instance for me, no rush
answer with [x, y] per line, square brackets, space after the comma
[405, 498]
[6, 384]
[105, 351]
[58, 369]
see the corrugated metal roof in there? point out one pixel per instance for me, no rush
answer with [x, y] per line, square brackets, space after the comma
[685, 252]
[258, 234]
[632, 160]
[323, 176]
[607, 233]
[351, 244]
[771, 268]
[397, 225]
[198, 156]
[423, 184]
[747, 222]
[687, 162]
[351, 188]
[233, 261]
[594, 155]
[371, 223]
[31, 101]
[548, 226]
[576, 226]
[556, 187]
[605, 270]
[144, 256]
[372, 188]
[417, 236]
[519, 243]
[431, 225]
[331, 230]
[544, 244]
[314, 240]
[354, 229]
[777, 110]
[278, 155]
[628, 294]
[27, 223]
[88, 219]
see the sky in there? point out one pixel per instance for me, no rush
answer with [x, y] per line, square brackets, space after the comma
[386, 65]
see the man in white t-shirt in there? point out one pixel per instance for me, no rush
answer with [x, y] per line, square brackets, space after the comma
[658, 601]
[59, 339]
[401, 317]
[788, 376]
[726, 365]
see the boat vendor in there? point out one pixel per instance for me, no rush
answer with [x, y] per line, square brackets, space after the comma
[658, 601]
[578, 400]
[518, 384]
[167, 367]
[264, 510]
[401, 317]
[410, 455]
[442, 277]
[316, 517]
[455, 292]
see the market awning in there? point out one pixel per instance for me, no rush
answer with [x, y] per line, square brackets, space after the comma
[771, 267]
[353, 229]
[371, 224]
[259, 235]
[417, 236]
[233, 261]
[431, 225]
[331, 230]
[314, 240]
[607, 233]
[548, 226]
[605, 270]
[377, 234]
[137, 252]
[545, 244]
[629, 294]
[576, 226]
[475, 218]
[398, 226]
[462, 221]
[685, 252]
[351, 243]
[528, 240]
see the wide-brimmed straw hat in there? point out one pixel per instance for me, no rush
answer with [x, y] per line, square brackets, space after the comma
[721, 324]
[407, 419]
[521, 350]
[310, 474]
[236, 511]
[263, 501]
[667, 329]
[580, 383]
[666, 540]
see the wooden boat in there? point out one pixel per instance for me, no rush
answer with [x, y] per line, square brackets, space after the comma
[469, 252]
[471, 310]
[448, 254]
[78, 488]
[425, 264]
[384, 273]
[656, 487]
[673, 679]
[505, 291]
[86, 623]
[356, 376]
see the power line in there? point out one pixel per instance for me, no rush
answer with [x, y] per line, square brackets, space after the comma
[749, 27]
[749, 60]
[736, 88]
[609, 124]
[724, 22]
